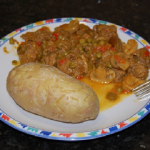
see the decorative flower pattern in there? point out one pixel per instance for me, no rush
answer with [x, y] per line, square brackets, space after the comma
[75, 136]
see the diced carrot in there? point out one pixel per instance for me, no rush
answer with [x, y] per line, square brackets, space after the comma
[119, 59]
[56, 35]
[62, 61]
[147, 53]
[38, 43]
[79, 77]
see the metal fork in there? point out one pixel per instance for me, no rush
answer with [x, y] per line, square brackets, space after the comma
[142, 92]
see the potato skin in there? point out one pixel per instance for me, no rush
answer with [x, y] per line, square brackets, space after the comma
[46, 91]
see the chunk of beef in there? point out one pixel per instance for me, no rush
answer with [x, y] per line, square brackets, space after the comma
[62, 34]
[74, 65]
[116, 43]
[40, 35]
[49, 59]
[82, 29]
[72, 27]
[105, 31]
[63, 44]
[138, 70]
[29, 52]
[48, 47]
[142, 56]
[106, 56]
[119, 74]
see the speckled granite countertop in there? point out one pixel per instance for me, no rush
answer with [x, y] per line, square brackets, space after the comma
[131, 14]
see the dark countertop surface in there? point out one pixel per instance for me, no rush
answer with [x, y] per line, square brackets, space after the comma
[131, 14]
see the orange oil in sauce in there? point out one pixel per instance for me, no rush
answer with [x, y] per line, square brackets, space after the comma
[15, 62]
[5, 50]
[101, 90]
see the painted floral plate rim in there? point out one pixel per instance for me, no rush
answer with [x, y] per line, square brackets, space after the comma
[75, 136]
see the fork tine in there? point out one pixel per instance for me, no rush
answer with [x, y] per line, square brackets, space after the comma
[145, 98]
[142, 92]
[143, 84]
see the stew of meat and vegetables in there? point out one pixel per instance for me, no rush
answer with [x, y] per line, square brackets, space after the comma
[97, 53]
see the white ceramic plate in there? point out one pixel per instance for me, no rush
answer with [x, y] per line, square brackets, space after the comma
[117, 118]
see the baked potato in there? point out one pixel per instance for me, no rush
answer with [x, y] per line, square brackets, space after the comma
[46, 91]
